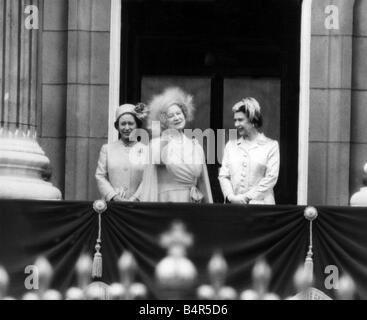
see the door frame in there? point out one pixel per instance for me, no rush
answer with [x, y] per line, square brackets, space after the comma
[304, 95]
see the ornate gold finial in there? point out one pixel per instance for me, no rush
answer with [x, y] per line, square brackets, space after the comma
[261, 275]
[74, 294]
[217, 269]
[138, 291]
[52, 295]
[83, 268]
[177, 238]
[128, 267]
[4, 281]
[347, 288]
[45, 273]
[302, 280]
[303, 284]
[97, 291]
[176, 273]
[30, 296]
[116, 291]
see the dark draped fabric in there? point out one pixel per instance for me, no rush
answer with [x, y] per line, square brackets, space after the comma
[63, 230]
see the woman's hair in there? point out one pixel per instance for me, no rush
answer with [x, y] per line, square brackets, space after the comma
[159, 105]
[251, 108]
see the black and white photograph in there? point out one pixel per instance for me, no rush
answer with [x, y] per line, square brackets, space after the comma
[184, 150]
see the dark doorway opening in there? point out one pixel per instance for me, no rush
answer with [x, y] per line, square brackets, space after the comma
[220, 51]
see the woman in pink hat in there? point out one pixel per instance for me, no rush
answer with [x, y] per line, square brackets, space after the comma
[121, 163]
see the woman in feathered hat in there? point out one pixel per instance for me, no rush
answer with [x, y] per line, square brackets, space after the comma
[177, 171]
[121, 164]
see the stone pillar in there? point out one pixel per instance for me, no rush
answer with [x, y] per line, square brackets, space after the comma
[358, 154]
[53, 86]
[18, 67]
[87, 94]
[330, 102]
[23, 164]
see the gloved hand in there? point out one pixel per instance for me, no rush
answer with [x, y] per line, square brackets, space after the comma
[133, 199]
[117, 198]
[238, 199]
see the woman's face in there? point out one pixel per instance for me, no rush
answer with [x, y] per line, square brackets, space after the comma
[242, 124]
[175, 118]
[127, 124]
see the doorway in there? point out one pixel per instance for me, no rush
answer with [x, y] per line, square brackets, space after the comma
[220, 51]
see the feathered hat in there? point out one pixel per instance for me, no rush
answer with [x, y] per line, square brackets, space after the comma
[140, 111]
[159, 105]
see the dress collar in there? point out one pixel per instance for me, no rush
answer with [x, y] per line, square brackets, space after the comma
[260, 140]
[128, 145]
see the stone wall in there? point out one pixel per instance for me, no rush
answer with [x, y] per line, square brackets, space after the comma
[74, 105]
[53, 86]
[330, 104]
[359, 96]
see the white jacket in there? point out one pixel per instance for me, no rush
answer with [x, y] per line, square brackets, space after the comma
[250, 168]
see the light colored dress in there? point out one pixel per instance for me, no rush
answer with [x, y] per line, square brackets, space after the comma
[250, 168]
[359, 199]
[120, 169]
[177, 173]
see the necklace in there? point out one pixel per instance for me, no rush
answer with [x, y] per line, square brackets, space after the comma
[128, 144]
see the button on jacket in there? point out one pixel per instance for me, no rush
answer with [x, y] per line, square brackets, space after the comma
[250, 168]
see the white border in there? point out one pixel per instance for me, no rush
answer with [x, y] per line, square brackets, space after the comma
[115, 50]
[304, 102]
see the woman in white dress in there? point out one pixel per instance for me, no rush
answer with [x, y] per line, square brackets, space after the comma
[250, 165]
[121, 164]
[177, 171]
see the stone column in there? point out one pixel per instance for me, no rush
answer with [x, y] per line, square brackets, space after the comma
[330, 102]
[358, 153]
[87, 94]
[24, 168]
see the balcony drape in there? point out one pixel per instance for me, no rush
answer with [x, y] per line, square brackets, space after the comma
[63, 230]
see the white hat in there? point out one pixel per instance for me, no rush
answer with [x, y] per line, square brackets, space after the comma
[140, 110]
